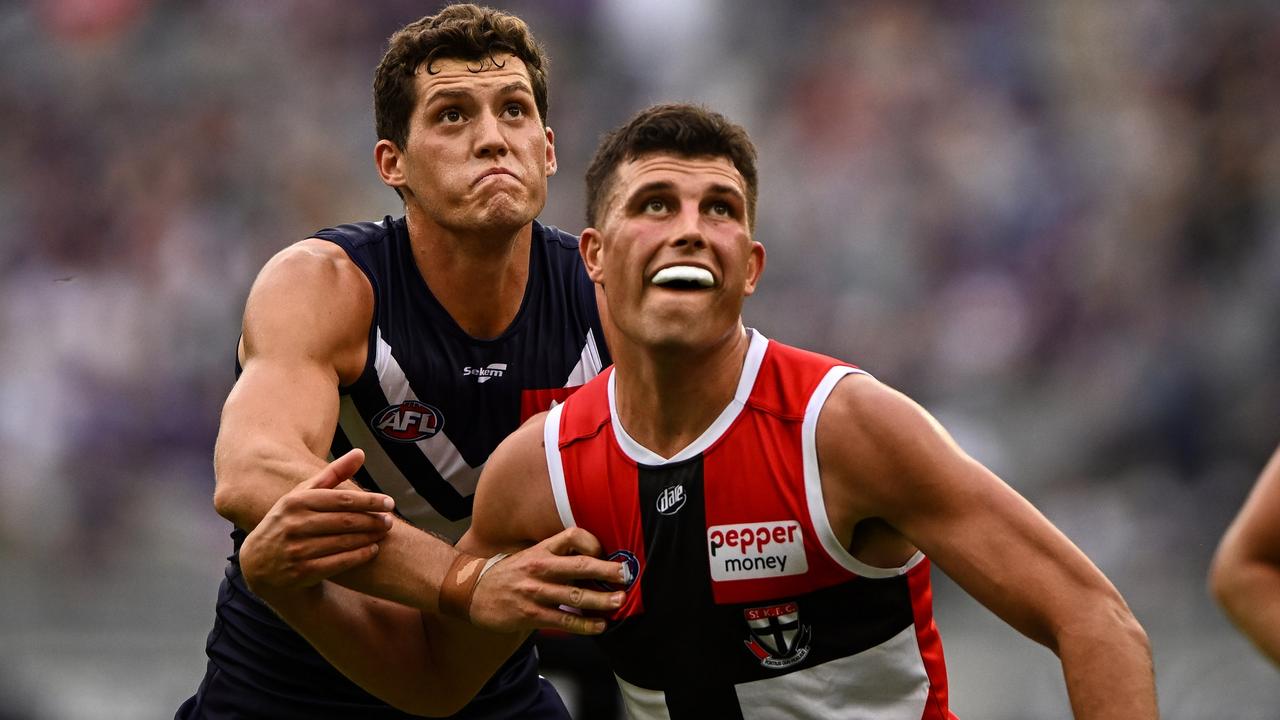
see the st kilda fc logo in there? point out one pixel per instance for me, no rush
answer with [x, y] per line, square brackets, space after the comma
[409, 421]
[778, 638]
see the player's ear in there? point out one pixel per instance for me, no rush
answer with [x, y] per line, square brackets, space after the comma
[591, 246]
[755, 267]
[386, 155]
[551, 152]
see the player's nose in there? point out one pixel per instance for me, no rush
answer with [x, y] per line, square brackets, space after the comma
[688, 229]
[489, 137]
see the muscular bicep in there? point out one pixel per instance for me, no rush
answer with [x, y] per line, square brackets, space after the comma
[889, 459]
[514, 507]
[305, 332]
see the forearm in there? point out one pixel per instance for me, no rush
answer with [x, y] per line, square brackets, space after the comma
[409, 568]
[252, 474]
[379, 645]
[1108, 669]
[1249, 592]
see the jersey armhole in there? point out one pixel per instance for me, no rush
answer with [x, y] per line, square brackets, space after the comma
[555, 466]
[371, 341]
[813, 485]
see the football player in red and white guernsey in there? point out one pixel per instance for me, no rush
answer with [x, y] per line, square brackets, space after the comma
[774, 508]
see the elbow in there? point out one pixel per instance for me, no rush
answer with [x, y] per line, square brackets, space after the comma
[231, 497]
[1108, 623]
[1228, 575]
[226, 501]
[1129, 627]
[1221, 576]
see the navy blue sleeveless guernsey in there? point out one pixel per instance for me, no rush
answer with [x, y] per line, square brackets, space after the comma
[430, 406]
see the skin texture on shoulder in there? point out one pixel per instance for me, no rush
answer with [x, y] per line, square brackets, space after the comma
[1245, 575]
[893, 480]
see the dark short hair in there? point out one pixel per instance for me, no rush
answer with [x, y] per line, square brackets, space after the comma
[461, 32]
[679, 129]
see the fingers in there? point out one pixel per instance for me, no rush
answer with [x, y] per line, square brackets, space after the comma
[336, 471]
[302, 522]
[336, 545]
[563, 618]
[572, 596]
[578, 624]
[323, 501]
[329, 565]
[581, 567]
[572, 541]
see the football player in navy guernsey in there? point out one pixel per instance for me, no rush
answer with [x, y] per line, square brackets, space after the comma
[778, 510]
[423, 341]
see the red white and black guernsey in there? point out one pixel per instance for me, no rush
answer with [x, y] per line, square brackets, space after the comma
[743, 603]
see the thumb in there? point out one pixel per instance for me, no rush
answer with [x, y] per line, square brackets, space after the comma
[336, 471]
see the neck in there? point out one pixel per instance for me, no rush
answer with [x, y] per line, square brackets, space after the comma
[461, 267]
[667, 398]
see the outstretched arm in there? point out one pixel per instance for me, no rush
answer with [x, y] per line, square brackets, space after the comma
[306, 328]
[420, 662]
[1245, 576]
[884, 458]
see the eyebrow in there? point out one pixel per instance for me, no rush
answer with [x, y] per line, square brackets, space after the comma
[667, 186]
[517, 86]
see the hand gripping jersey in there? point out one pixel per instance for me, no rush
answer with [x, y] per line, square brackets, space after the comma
[744, 603]
[430, 406]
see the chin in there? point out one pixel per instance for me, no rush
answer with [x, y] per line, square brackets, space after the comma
[676, 337]
[503, 215]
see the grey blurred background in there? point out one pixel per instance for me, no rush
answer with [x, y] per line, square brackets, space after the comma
[1053, 223]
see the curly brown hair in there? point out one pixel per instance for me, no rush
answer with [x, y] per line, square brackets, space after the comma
[462, 32]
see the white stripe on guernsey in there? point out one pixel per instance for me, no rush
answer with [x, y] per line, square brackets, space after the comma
[746, 381]
[438, 448]
[589, 365]
[813, 484]
[643, 704]
[886, 682]
[390, 480]
[555, 467]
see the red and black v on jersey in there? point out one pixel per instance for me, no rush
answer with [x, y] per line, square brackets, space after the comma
[744, 603]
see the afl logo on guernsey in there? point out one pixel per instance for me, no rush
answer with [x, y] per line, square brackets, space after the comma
[671, 499]
[410, 421]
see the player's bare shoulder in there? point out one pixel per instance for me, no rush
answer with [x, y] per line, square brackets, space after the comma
[514, 496]
[876, 443]
[313, 267]
[312, 299]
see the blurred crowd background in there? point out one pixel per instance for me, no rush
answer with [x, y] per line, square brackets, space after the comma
[1053, 223]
